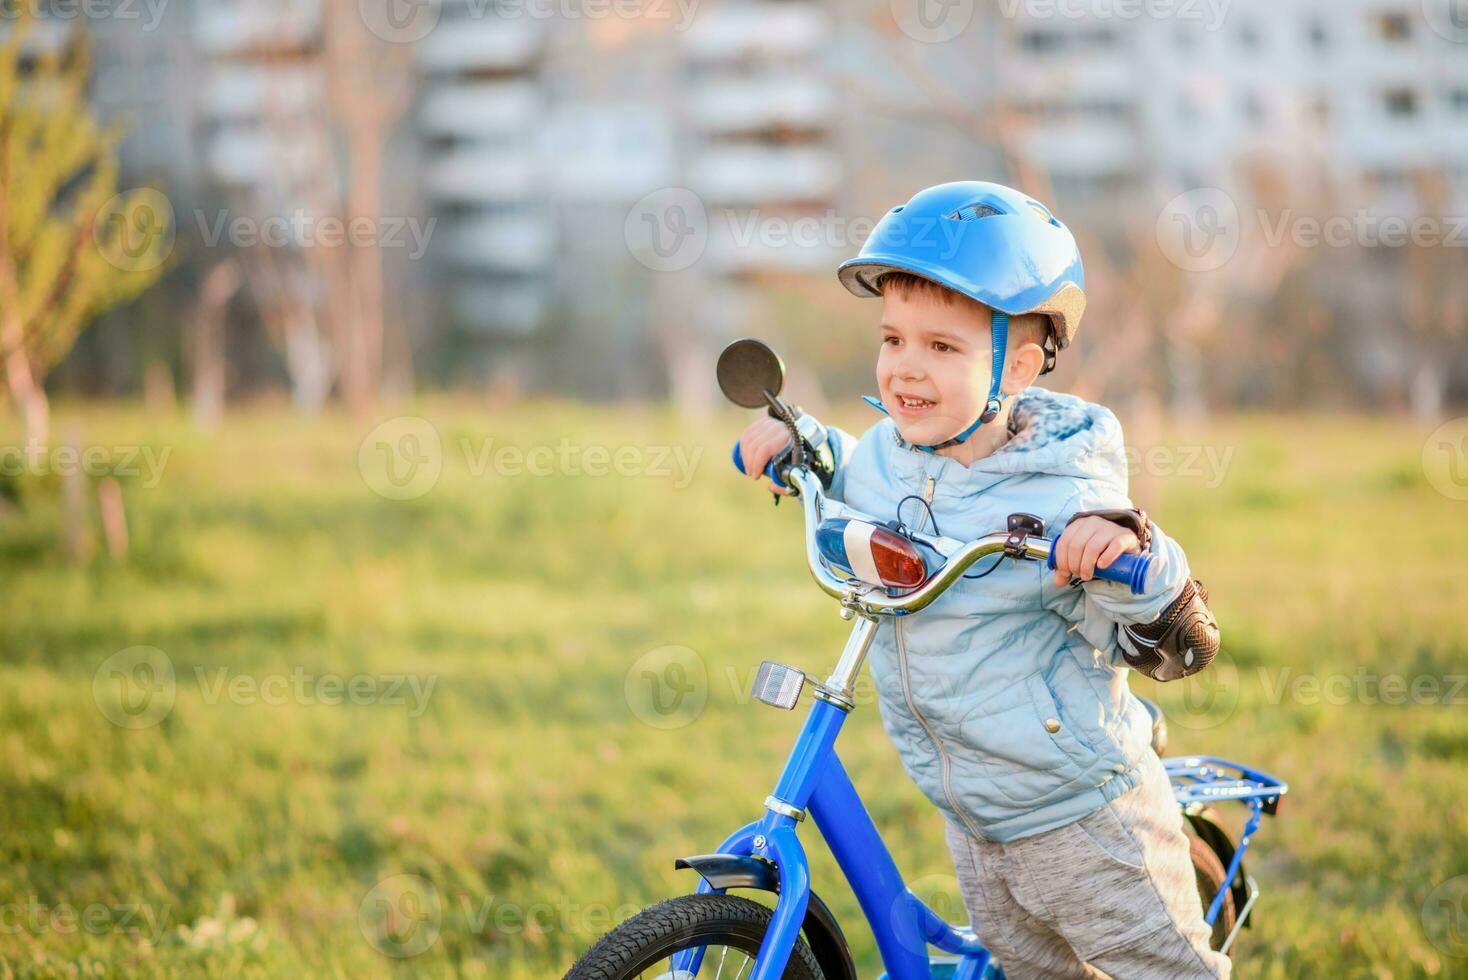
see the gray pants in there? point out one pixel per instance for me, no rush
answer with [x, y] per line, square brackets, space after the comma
[1112, 895]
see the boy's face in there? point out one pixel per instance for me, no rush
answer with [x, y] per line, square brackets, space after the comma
[934, 368]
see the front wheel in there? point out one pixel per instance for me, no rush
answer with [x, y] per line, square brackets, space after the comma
[731, 928]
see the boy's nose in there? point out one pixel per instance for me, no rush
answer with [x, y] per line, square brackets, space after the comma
[910, 369]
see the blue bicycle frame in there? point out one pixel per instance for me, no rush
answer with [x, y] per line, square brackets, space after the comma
[815, 783]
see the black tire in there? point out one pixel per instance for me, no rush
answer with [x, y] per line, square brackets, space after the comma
[655, 934]
[1210, 872]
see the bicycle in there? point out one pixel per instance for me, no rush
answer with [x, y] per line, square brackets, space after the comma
[899, 573]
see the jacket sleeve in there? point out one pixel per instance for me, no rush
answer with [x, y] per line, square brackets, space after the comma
[1100, 608]
[842, 444]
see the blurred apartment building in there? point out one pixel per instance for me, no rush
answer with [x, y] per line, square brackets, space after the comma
[1367, 93]
[536, 131]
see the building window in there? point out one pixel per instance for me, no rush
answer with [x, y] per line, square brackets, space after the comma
[1401, 103]
[1253, 108]
[1320, 109]
[1458, 100]
[1318, 36]
[1041, 42]
[1394, 26]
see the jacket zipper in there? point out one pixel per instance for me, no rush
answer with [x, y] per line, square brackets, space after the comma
[928, 491]
[932, 735]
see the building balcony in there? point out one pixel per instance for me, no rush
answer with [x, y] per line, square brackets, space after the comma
[1084, 147]
[742, 243]
[259, 27]
[247, 91]
[762, 105]
[523, 243]
[480, 108]
[485, 175]
[481, 44]
[1104, 77]
[757, 30]
[755, 175]
[250, 156]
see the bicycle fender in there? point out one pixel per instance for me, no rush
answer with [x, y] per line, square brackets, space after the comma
[822, 933]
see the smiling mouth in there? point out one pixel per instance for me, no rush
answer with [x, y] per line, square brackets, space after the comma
[914, 404]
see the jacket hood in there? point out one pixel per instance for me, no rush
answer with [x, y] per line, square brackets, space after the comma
[1052, 434]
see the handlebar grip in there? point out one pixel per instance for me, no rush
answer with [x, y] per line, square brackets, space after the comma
[769, 468]
[1128, 569]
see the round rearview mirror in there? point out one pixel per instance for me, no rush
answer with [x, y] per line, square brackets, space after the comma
[747, 368]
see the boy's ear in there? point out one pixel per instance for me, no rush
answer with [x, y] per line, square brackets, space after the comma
[1022, 368]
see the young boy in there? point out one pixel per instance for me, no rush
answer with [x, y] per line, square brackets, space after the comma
[1007, 698]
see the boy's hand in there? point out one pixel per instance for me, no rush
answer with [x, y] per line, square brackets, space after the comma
[761, 442]
[1088, 544]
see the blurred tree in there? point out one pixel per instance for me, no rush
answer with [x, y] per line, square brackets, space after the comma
[324, 300]
[1435, 305]
[71, 246]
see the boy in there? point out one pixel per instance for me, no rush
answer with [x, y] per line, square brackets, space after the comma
[1007, 698]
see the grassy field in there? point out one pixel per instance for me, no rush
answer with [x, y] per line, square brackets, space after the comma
[306, 729]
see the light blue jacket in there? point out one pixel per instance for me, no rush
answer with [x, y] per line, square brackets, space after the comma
[1007, 698]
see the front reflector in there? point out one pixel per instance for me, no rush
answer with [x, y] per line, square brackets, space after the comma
[778, 685]
[870, 553]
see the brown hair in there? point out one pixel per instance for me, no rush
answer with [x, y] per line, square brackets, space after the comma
[1025, 328]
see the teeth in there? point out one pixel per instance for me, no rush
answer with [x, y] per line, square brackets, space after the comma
[915, 402]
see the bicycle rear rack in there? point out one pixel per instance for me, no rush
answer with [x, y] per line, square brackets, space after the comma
[1201, 779]
[1198, 780]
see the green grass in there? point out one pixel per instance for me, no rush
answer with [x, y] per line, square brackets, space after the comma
[238, 837]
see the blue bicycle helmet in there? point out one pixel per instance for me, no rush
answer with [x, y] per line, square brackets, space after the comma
[986, 241]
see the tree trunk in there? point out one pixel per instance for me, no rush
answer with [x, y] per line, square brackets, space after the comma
[1427, 387]
[308, 361]
[208, 360]
[30, 397]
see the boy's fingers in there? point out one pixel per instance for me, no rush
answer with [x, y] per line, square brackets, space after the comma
[1087, 564]
[750, 455]
[1114, 550]
[1067, 553]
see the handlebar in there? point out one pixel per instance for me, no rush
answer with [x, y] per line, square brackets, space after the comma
[1130, 570]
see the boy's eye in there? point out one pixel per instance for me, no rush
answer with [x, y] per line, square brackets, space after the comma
[941, 347]
[894, 341]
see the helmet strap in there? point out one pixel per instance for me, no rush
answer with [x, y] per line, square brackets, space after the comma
[999, 346]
